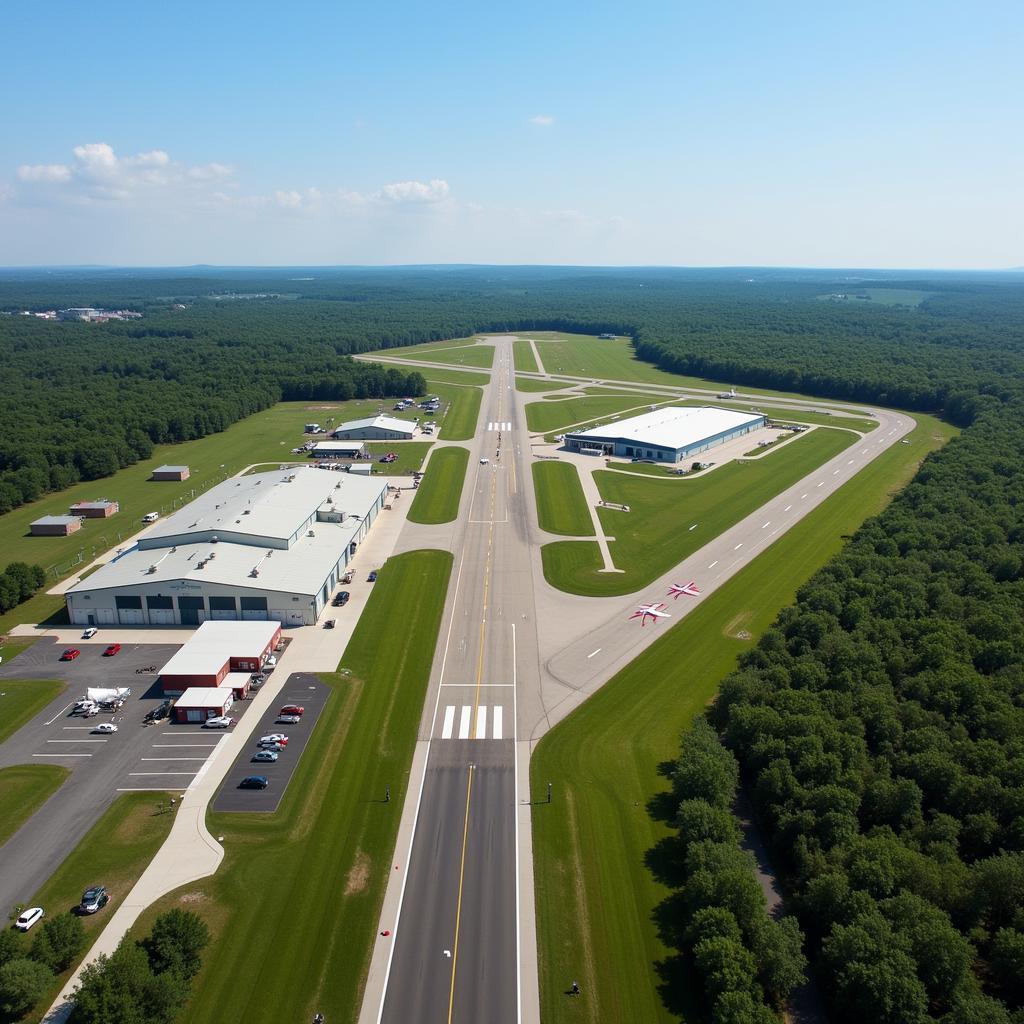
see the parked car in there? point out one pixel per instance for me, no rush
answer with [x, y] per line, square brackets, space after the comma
[89, 634]
[29, 918]
[484, 461]
[151, 517]
[329, 624]
[288, 720]
[372, 578]
[70, 654]
[254, 782]
[218, 722]
[265, 755]
[275, 747]
[292, 709]
[271, 661]
[348, 577]
[275, 737]
[342, 597]
[105, 727]
[111, 650]
[94, 899]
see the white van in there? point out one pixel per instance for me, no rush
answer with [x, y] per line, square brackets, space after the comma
[151, 517]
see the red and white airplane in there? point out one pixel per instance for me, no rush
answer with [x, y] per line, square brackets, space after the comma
[689, 589]
[655, 611]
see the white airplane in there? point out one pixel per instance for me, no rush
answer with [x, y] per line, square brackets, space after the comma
[655, 611]
[689, 589]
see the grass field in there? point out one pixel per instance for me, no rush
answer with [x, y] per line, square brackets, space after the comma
[462, 377]
[561, 506]
[528, 384]
[594, 896]
[881, 297]
[558, 413]
[523, 357]
[21, 699]
[459, 422]
[295, 904]
[114, 853]
[656, 534]
[863, 424]
[437, 498]
[23, 790]
[463, 354]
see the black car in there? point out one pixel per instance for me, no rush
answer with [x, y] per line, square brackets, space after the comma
[93, 899]
[254, 782]
[329, 624]
[342, 598]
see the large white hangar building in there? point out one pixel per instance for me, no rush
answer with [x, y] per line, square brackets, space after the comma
[671, 434]
[268, 546]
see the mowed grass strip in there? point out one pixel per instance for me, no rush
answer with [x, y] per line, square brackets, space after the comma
[595, 898]
[295, 904]
[114, 853]
[527, 384]
[437, 498]
[655, 534]
[561, 505]
[459, 377]
[552, 413]
[24, 788]
[523, 357]
[459, 423]
[22, 699]
[462, 355]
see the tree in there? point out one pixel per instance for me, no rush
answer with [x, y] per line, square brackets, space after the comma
[11, 947]
[725, 965]
[22, 984]
[59, 941]
[176, 943]
[1006, 959]
[778, 947]
[741, 1008]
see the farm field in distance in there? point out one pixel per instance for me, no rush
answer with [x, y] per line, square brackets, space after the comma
[595, 896]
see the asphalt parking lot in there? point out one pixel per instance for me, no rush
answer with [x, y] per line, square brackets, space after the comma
[303, 689]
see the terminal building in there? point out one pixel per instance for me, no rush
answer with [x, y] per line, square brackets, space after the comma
[670, 434]
[271, 546]
[375, 428]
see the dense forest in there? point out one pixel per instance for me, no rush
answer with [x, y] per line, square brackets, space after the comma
[878, 726]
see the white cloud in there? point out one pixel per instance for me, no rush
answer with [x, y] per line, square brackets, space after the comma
[210, 172]
[434, 191]
[544, 120]
[44, 172]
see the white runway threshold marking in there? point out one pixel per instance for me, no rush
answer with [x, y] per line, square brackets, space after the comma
[467, 731]
[464, 722]
[481, 722]
[449, 722]
[497, 722]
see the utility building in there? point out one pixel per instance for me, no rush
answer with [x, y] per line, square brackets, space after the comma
[376, 428]
[99, 509]
[170, 473]
[671, 434]
[54, 526]
[271, 546]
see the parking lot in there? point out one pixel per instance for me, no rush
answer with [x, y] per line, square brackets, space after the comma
[303, 689]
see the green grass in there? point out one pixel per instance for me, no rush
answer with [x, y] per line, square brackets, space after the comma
[863, 424]
[560, 413]
[523, 357]
[881, 297]
[437, 498]
[22, 699]
[428, 346]
[459, 422]
[295, 904]
[410, 456]
[462, 377]
[527, 384]
[114, 853]
[11, 647]
[594, 896]
[656, 533]
[23, 790]
[460, 355]
[561, 505]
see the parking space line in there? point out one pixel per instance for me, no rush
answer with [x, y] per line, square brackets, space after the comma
[738, 546]
[77, 741]
[58, 715]
[55, 754]
[787, 508]
[713, 564]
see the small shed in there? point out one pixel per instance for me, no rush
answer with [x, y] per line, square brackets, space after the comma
[198, 703]
[170, 473]
[54, 526]
[99, 509]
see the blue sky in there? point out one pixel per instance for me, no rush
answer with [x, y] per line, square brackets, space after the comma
[685, 133]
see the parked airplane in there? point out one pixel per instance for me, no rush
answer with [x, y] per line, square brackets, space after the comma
[689, 589]
[655, 611]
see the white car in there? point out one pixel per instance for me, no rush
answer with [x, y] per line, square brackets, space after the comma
[105, 727]
[275, 737]
[89, 633]
[484, 461]
[219, 722]
[29, 918]
[271, 661]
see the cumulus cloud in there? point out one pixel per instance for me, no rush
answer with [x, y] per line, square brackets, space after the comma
[44, 172]
[210, 172]
[433, 191]
[544, 120]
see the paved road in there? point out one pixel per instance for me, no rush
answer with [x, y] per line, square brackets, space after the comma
[455, 957]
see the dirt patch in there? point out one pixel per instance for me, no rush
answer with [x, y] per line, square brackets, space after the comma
[734, 627]
[193, 897]
[359, 876]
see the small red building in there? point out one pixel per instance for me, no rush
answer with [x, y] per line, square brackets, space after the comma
[99, 509]
[221, 653]
[198, 703]
[54, 526]
[170, 473]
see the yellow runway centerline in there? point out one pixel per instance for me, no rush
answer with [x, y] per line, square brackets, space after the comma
[458, 906]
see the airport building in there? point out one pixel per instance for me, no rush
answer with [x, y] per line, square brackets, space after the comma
[376, 428]
[670, 434]
[271, 546]
[220, 655]
[337, 450]
[54, 526]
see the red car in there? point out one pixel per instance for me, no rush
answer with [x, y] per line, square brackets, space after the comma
[111, 650]
[292, 709]
[70, 654]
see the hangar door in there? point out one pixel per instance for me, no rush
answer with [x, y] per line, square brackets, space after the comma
[193, 610]
[160, 610]
[253, 608]
[129, 609]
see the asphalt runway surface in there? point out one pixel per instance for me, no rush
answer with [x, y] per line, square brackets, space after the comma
[303, 689]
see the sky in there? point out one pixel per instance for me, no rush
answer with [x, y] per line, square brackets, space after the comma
[684, 133]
